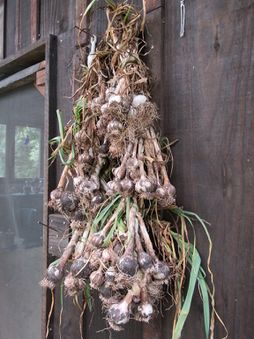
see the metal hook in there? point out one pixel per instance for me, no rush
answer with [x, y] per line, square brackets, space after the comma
[182, 18]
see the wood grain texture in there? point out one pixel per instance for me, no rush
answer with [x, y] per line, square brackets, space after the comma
[2, 28]
[22, 59]
[20, 78]
[208, 94]
[35, 24]
[64, 73]
[10, 19]
[56, 16]
[25, 23]
[49, 173]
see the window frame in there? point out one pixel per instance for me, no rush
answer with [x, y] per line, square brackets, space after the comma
[17, 71]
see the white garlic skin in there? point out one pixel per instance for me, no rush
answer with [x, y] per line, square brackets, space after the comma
[146, 311]
[104, 107]
[119, 313]
[114, 98]
[138, 100]
[114, 125]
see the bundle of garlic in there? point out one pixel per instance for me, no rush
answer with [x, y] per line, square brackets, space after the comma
[119, 246]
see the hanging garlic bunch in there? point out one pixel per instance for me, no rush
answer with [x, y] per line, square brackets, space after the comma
[111, 191]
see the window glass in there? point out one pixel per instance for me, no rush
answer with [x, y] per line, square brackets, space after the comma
[27, 152]
[2, 149]
[21, 207]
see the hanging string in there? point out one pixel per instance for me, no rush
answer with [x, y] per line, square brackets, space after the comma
[182, 18]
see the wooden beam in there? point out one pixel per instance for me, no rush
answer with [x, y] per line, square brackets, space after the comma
[49, 173]
[34, 20]
[24, 58]
[151, 5]
[18, 26]
[19, 79]
[2, 30]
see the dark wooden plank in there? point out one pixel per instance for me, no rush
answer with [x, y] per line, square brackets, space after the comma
[24, 58]
[64, 72]
[10, 28]
[208, 88]
[19, 79]
[2, 28]
[58, 237]
[57, 16]
[49, 172]
[151, 5]
[35, 24]
[18, 25]
[41, 79]
[25, 23]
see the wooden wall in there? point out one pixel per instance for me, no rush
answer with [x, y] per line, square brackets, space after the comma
[208, 105]
[204, 85]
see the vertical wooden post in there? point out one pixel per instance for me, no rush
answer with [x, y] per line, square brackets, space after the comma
[2, 30]
[49, 175]
[34, 20]
[18, 26]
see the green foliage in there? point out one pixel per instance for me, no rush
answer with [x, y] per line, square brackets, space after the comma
[197, 273]
[59, 141]
[77, 113]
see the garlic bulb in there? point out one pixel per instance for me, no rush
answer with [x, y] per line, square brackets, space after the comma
[97, 239]
[126, 186]
[139, 100]
[145, 312]
[114, 125]
[110, 274]
[54, 273]
[56, 193]
[96, 279]
[145, 185]
[128, 265]
[145, 261]
[69, 201]
[104, 107]
[114, 98]
[81, 267]
[161, 271]
[119, 313]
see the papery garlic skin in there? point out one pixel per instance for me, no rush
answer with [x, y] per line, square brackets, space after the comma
[146, 311]
[119, 313]
[139, 99]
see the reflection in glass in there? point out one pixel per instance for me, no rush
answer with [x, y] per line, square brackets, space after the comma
[27, 152]
[21, 206]
[2, 149]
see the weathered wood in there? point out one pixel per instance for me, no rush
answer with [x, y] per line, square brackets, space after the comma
[49, 172]
[18, 25]
[24, 58]
[41, 79]
[66, 48]
[151, 5]
[57, 16]
[208, 92]
[10, 28]
[25, 23]
[20, 78]
[34, 14]
[58, 234]
[2, 28]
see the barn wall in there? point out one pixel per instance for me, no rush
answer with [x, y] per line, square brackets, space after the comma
[208, 105]
[203, 84]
